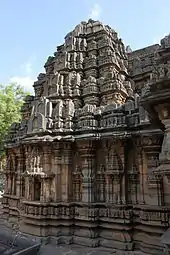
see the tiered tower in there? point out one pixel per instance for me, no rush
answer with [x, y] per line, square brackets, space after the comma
[87, 73]
[82, 166]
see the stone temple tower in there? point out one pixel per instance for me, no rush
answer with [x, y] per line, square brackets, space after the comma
[80, 165]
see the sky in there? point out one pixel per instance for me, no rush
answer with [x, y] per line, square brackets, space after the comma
[30, 30]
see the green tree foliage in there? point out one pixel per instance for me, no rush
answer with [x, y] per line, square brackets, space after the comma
[11, 99]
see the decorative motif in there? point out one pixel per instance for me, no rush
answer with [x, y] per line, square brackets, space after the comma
[100, 184]
[77, 184]
[73, 165]
[35, 161]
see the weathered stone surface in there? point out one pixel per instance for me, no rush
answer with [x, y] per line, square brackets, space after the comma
[89, 162]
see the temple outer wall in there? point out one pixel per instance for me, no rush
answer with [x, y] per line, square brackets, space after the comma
[91, 192]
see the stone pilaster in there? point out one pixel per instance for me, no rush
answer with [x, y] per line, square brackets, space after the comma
[87, 155]
[163, 170]
[151, 146]
[47, 158]
[19, 172]
[122, 173]
[117, 184]
[27, 188]
[114, 171]
[47, 173]
[164, 157]
[66, 172]
[141, 170]
[56, 167]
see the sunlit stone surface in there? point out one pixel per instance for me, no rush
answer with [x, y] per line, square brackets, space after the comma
[89, 163]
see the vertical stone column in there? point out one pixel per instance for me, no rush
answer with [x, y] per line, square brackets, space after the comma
[122, 185]
[57, 171]
[133, 182]
[46, 188]
[18, 174]
[27, 188]
[107, 188]
[66, 172]
[114, 172]
[151, 146]
[14, 184]
[160, 189]
[101, 183]
[10, 183]
[47, 158]
[165, 151]
[142, 180]
[111, 188]
[8, 175]
[7, 180]
[26, 176]
[46, 168]
[42, 190]
[117, 185]
[163, 170]
[19, 171]
[87, 154]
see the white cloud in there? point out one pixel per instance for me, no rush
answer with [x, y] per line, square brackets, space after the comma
[27, 67]
[95, 12]
[24, 81]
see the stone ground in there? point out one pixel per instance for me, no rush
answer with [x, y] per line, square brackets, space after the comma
[75, 250]
[72, 250]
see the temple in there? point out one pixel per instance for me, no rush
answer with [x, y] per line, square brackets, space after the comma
[89, 163]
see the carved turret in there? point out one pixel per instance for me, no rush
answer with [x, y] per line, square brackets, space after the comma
[87, 165]
[86, 73]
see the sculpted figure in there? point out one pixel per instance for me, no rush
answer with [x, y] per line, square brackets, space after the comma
[60, 108]
[38, 163]
[50, 80]
[91, 79]
[78, 79]
[52, 84]
[101, 81]
[146, 89]
[77, 44]
[60, 86]
[93, 45]
[161, 71]
[38, 107]
[73, 59]
[56, 78]
[79, 60]
[58, 114]
[74, 82]
[31, 164]
[155, 74]
[168, 69]
[41, 106]
[38, 91]
[167, 41]
[57, 82]
[80, 57]
[49, 123]
[70, 109]
[121, 48]
[83, 44]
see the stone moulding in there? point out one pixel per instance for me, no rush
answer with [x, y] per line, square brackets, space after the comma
[89, 162]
